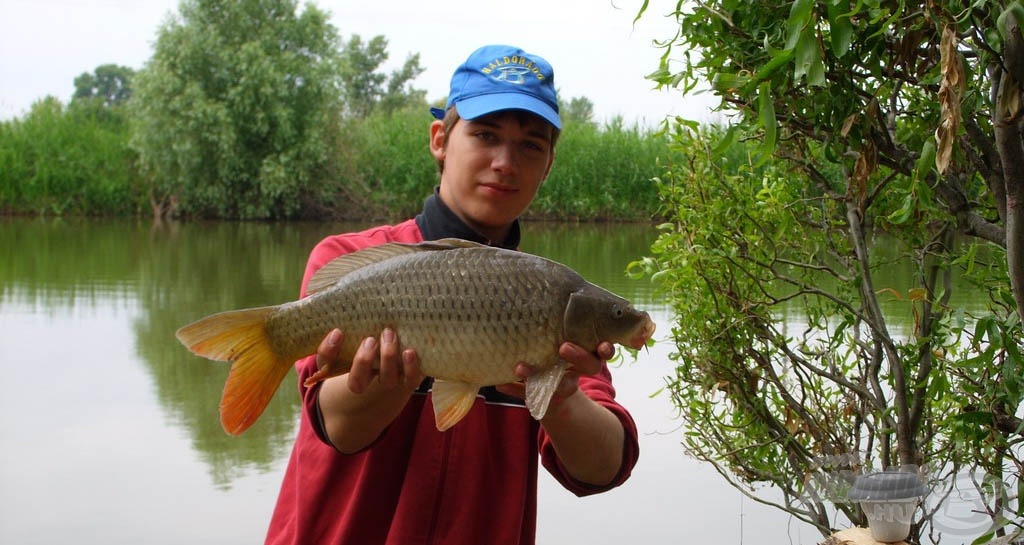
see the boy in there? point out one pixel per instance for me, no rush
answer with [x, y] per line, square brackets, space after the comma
[369, 465]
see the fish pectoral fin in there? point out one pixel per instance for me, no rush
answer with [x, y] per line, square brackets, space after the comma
[452, 399]
[541, 386]
[332, 369]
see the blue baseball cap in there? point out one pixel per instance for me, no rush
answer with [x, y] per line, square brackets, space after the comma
[502, 77]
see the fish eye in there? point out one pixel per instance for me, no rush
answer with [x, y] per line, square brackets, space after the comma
[617, 311]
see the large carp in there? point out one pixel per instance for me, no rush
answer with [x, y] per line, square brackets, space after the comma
[471, 312]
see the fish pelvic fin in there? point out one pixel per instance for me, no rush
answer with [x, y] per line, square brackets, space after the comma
[541, 386]
[256, 370]
[452, 399]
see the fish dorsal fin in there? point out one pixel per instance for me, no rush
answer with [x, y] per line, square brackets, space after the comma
[338, 267]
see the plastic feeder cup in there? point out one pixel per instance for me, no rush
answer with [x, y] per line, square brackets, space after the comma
[889, 499]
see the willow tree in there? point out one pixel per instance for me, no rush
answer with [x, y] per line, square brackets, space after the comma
[237, 110]
[850, 122]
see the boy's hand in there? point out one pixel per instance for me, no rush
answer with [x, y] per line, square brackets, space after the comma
[580, 362]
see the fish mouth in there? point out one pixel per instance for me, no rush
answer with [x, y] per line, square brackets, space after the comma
[643, 333]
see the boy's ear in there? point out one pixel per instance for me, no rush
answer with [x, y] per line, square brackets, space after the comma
[437, 147]
[547, 171]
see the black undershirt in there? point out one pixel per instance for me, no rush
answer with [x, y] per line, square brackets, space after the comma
[437, 221]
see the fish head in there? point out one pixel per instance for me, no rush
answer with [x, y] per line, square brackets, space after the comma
[594, 314]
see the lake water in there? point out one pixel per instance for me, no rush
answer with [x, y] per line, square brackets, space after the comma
[109, 431]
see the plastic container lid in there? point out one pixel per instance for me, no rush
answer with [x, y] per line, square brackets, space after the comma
[887, 485]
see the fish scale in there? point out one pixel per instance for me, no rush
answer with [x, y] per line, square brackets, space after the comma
[445, 305]
[471, 312]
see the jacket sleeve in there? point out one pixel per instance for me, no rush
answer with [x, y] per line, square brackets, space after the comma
[598, 388]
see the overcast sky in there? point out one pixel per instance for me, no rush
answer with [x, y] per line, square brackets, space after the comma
[593, 45]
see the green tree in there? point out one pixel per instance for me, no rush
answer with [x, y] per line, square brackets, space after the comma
[236, 114]
[852, 121]
[102, 96]
[366, 88]
[578, 110]
[109, 83]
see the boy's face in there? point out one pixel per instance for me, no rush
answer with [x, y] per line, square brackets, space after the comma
[493, 166]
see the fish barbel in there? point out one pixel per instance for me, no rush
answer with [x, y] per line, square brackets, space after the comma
[471, 312]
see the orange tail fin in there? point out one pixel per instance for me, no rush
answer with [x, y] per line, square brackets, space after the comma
[256, 370]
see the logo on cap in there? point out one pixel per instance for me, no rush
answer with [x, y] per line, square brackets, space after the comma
[512, 70]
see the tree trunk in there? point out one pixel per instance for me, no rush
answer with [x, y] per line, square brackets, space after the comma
[1009, 113]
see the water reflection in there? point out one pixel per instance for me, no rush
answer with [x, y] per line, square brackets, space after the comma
[169, 275]
[59, 264]
[192, 270]
[599, 252]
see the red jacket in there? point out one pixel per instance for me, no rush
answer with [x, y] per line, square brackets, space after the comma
[474, 484]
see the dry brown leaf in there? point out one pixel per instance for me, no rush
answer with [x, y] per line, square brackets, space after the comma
[1009, 99]
[847, 125]
[951, 89]
[867, 163]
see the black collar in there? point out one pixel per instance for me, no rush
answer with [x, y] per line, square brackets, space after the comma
[438, 221]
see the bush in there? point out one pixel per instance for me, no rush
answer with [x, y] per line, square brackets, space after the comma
[388, 163]
[603, 173]
[62, 161]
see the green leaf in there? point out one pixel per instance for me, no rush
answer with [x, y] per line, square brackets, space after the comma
[926, 161]
[806, 50]
[640, 12]
[727, 83]
[726, 142]
[799, 17]
[808, 60]
[661, 76]
[977, 418]
[779, 59]
[841, 29]
[816, 74]
[885, 26]
[902, 215]
[766, 118]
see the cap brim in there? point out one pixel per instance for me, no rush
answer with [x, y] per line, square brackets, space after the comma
[481, 105]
